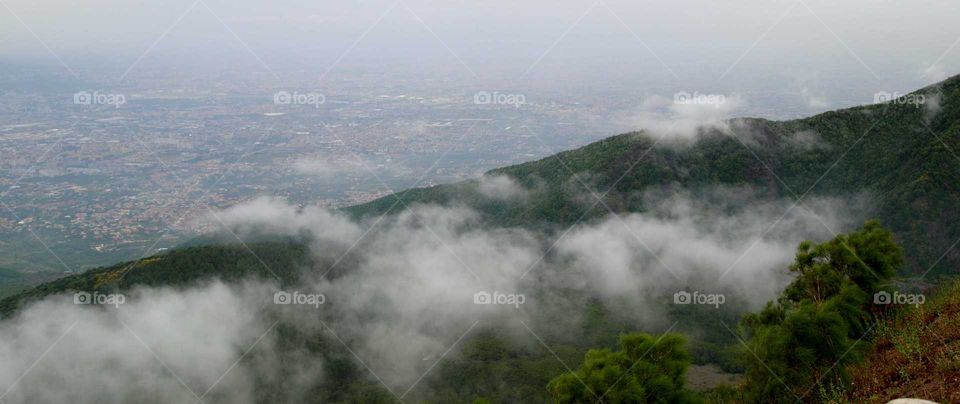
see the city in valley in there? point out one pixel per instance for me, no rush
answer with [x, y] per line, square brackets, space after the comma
[101, 175]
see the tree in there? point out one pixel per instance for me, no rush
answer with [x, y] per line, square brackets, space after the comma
[645, 369]
[808, 335]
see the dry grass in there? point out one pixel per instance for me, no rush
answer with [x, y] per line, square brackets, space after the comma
[915, 353]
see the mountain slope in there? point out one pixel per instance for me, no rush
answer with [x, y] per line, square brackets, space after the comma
[282, 261]
[884, 150]
[914, 353]
[903, 155]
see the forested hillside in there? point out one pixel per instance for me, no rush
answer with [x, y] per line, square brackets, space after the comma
[813, 335]
[903, 154]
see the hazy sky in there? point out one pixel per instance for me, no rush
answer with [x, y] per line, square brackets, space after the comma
[811, 47]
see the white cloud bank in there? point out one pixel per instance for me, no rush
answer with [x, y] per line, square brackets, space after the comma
[405, 295]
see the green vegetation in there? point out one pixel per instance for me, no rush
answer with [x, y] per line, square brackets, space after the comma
[13, 282]
[824, 340]
[809, 335]
[913, 352]
[646, 369]
[802, 346]
[797, 348]
[902, 155]
[282, 261]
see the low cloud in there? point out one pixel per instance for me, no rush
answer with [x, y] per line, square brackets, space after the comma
[934, 73]
[709, 240]
[686, 116]
[806, 140]
[330, 167]
[274, 217]
[405, 294]
[813, 99]
[502, 188]
[168, 345]
[932, 103]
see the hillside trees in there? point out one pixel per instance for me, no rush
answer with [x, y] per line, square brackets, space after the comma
[646, 369]
[813, 330]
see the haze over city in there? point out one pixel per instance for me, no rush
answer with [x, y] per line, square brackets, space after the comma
[583, 161]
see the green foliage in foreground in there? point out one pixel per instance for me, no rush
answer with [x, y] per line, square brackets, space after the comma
[806, 338]
[646, 369]
[803, 342]
[798, 347]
